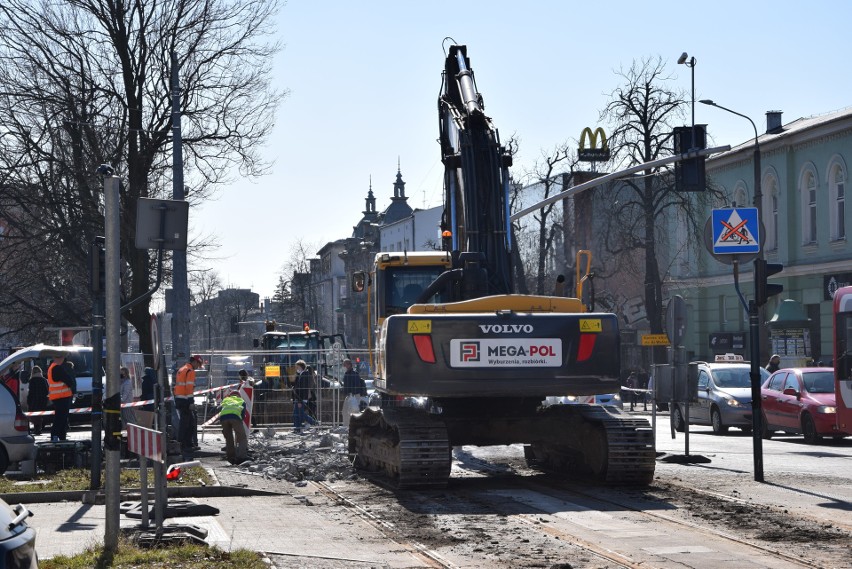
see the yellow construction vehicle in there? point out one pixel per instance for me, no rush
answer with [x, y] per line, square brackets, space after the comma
[464, 361]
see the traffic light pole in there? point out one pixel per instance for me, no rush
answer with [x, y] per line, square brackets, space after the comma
[756, 419]
[97, 391]
[97, 259]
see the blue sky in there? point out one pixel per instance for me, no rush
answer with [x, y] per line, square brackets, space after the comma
[364, 78]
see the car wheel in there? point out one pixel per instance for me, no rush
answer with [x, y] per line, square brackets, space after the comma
[716, 421]
[677, 419]
[809, 430]
[765, 433]
[4, 460]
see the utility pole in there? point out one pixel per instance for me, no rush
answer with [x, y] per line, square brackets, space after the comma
[112, 329]
[756, 312]
[180, 306]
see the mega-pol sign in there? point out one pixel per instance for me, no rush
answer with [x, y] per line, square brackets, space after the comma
[506, 352]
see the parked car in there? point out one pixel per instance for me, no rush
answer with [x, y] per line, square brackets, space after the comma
[724, 396]
[800, 401]
[16, 442]
[17, 539]
[609, 399]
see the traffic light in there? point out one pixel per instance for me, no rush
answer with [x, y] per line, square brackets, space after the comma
[358, 281]
[689, 174]
[762, 290]
[97, 266]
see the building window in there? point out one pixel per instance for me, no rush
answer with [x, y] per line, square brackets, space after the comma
[770, 213]
[808, 191]
[773, 214]
[740, 195]
[837, 201]
[812, 210]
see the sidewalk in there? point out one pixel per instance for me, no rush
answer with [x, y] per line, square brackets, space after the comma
[279, 524]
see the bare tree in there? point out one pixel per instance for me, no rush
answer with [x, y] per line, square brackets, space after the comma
[546, 180]
[204, 286]
[295, 296]
[642, 112]
[86, 82]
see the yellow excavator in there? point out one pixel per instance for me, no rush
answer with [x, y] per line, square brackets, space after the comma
[462, 360]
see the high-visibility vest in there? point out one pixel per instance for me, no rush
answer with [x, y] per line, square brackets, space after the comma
[57, 389]
[232, 405]
[185, 381]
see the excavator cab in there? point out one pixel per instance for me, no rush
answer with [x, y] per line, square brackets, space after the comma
[400, 280]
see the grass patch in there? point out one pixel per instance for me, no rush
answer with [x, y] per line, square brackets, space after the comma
[129, 556]
[79, 479]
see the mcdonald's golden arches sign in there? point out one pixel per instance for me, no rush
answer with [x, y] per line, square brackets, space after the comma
[593, 153]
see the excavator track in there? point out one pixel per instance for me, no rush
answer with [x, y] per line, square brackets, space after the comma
[408, 446]
[614, 448]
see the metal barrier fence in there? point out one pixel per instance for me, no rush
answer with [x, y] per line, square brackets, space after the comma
[272, 373]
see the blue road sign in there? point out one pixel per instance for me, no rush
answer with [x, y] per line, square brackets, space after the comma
[735, 230]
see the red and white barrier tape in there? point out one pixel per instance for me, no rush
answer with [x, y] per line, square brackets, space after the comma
[78, 410]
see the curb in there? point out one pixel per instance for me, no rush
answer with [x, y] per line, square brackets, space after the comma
[98, 498]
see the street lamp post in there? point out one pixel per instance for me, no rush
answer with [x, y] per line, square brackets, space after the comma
[690, 62]
[758, 194]
[754, 312]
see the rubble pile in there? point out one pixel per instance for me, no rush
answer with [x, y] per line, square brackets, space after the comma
[316, 454]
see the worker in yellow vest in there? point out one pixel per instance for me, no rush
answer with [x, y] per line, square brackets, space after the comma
[232, 416]
[61, 386]
[185, 405]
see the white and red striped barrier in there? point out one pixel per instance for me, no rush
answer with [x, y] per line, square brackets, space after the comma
[134, 404]
[145, 442]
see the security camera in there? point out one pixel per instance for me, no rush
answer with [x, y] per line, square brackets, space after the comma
[682, 59]
[105, 170]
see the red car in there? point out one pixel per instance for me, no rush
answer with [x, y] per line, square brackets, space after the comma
[800, 401]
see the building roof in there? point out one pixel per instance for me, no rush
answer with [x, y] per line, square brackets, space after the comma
[791, 129]
[398, 208]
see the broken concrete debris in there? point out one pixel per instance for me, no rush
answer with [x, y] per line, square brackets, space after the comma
[315, 454]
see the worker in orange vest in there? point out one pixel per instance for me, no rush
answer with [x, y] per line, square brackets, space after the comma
[185, 404]
[61, 386]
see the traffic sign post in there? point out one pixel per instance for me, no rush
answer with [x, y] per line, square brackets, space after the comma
[735, 231]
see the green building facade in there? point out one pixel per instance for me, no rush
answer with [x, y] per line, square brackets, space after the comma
[804, 172]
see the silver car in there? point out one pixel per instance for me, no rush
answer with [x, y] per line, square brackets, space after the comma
[17, 539]
[16, 442]
[724, 397]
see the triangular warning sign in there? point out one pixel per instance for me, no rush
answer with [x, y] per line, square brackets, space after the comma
[734, 233]
[412, 326]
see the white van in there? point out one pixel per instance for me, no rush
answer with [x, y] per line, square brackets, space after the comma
[41, 355]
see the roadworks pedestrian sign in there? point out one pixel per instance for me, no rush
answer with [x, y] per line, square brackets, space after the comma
[735, 230]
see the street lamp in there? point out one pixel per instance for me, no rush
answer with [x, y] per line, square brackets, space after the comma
[690, 62]
[754, 312]
[758, 194]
